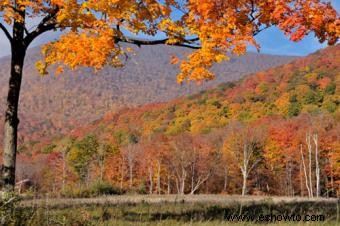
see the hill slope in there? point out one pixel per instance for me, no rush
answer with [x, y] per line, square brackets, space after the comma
[50, 104]
[308, 85]
[195, 144]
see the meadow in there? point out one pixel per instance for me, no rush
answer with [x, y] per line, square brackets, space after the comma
[172, 210]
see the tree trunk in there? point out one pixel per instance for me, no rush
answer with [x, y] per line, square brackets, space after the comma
[301, 183]
[122, 173]
[317, 167]
[183, 178]
[305, 171]
[11, 115]
[130, 175]
[101, 168]
[244, 169]
[158, 177]
[309, 146]
[151, 181]
[244, 186]
[332, 178]
[225, 179]
[169, 189]
[64, 170]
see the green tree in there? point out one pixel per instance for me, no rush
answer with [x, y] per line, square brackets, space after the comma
[81, 155]
[330, 89]
[294, 109]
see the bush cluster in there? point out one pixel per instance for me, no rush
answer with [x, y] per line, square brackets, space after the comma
[96, 189]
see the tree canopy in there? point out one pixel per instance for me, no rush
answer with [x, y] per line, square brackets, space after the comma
[94, 29]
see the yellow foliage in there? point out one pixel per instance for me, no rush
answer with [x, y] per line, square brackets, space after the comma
[282, 103]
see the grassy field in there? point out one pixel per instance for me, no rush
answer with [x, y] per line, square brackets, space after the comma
[172, 210]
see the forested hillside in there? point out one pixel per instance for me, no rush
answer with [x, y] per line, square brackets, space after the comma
[274, 132]
[52, 104]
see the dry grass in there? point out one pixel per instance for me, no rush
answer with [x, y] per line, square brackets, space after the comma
[135, 199]
[215, 223]
[171, 210]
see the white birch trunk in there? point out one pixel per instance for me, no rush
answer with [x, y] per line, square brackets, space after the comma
[305, 171]
[310, 164]
[317, 167]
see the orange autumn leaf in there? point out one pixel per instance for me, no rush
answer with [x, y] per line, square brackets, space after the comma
[215, 28]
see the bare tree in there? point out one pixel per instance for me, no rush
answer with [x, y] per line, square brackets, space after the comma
[180, 162]
[242, 146]
[104, 150]
[313, 137]
[305, 172]
[201, 167]
[130, 155]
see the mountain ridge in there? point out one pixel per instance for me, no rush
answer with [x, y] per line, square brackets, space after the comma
[230, 92]
[55, 104]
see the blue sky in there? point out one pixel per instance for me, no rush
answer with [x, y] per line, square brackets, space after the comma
[272, 41]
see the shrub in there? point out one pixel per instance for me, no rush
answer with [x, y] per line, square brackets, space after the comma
[224, 112]
[104, 188]
[294, 109]
[309, 97]
[313, 85]
[330, 89]
[225, 86]
[239, 99]
[49, 148]
[258, 98]
[142, 189]
[330, 106]
[96, 189]
[293, 98]
[202, 101]
[10, 212]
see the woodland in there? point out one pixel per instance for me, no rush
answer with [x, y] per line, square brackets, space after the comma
[275, 132]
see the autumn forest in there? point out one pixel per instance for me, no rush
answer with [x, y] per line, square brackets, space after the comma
[274, 132]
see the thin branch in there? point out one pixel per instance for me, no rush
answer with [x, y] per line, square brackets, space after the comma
[262, 29]
[8, 202]
[254, 164]
[140, 42]
[44, 25]
[187, 43]
[8, 35]
[199, 183]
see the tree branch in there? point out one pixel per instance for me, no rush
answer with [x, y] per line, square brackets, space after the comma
[44, 25]
[8, 35]
[140, 42]
[262, 29]
[187, 43]
[29, 38]
[199, 183]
